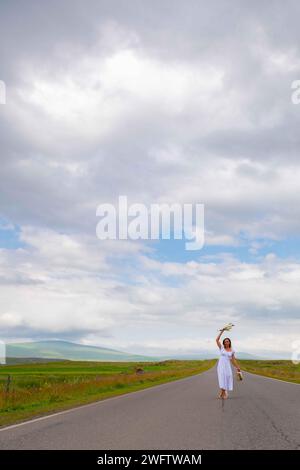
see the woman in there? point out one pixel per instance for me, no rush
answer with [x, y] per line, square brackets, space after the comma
[225, 377]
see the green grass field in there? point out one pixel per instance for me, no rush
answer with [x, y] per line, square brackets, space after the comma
[276, 369]
[35, 389]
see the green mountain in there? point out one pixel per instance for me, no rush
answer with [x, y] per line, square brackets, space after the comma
[41, 351]
[71, 351]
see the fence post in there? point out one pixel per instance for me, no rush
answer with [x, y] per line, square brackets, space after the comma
[7, 385]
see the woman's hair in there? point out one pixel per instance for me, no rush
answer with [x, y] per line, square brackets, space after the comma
[228, 340]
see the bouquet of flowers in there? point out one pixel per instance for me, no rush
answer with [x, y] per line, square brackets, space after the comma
[239, 375]
[227, 327]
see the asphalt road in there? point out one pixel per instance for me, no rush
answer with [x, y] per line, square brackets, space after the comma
[261, 413]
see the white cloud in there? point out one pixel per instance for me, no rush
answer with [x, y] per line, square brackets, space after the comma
[192, 110]
[58, 284]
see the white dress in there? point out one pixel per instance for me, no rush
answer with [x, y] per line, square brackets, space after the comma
[224, 369]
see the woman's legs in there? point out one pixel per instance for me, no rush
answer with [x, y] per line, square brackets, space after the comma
[223, 393]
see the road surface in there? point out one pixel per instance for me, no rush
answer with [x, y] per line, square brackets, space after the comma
[261, 413]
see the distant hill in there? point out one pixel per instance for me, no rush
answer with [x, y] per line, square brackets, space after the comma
[208, 355]
[59, 350]
[244, 355]
[13, 361]
[41, 351]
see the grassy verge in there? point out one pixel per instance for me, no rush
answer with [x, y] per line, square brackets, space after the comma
[31, 390]
[276, 369]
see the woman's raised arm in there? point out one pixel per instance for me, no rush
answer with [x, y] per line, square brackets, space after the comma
[218, 339]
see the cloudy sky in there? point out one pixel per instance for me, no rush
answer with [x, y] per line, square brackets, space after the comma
[162, 101]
